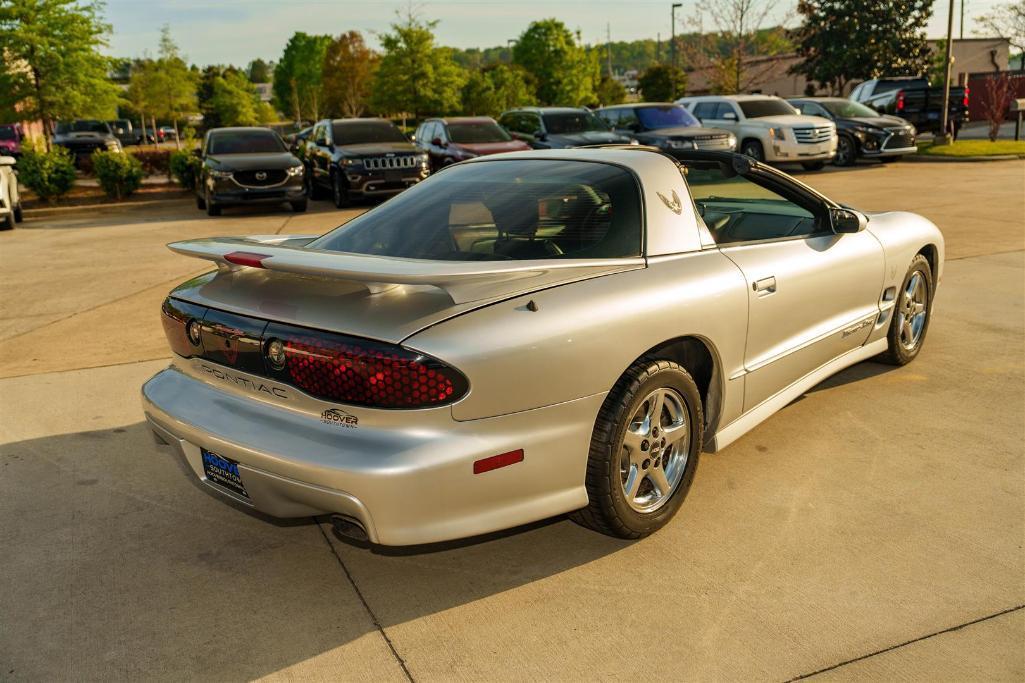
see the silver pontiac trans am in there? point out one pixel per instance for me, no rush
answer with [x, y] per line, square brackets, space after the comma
[525, 335]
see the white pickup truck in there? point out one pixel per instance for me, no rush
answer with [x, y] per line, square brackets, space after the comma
[768, 128]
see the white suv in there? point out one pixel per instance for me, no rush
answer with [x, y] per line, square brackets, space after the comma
[768, 128]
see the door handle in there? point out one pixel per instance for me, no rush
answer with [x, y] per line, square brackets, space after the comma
[765, 286]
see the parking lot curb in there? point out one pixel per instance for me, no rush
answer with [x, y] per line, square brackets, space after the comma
[43, 211]
[926, 158]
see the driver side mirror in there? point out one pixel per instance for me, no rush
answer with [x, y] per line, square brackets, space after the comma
[847, 220]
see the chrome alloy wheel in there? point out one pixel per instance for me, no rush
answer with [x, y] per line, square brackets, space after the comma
[654, 452]
[911, 311]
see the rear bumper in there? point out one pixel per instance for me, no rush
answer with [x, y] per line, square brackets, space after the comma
[405, 476]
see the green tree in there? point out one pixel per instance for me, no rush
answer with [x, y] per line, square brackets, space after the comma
[50, 61]
[235, 101]
[298, 76]
[166, 87]
[349, 67]
[609, 91]
[566, 73]
[205, 95]
[259, 71]
[496, 88]
[415, 76]
[1008, 20]
[846, 40]
[662, 83]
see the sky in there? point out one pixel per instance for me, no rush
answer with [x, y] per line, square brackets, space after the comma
[237, 31]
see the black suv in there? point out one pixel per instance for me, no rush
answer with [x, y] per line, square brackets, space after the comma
[861, 131]
[248, 166]
[360, 158]
[85, 136]
[666, 125]
[559, 127]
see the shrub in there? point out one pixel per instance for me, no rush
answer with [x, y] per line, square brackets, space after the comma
[49, 174]
[119, 174]
[185, 167]
[154, 161]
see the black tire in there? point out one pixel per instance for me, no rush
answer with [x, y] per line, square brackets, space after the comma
[339, 192]
[890, 160]
[608, 510]
[313, 190]
[211, 208]
[19, 216]
[753, 149]
[813, 165]
[8, 222]
[846, 151]
[898, 336]
[200, 203]
[299, 206]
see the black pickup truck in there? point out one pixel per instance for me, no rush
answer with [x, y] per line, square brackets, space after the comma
[912, 99]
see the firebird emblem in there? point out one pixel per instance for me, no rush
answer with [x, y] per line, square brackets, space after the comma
[676, 206]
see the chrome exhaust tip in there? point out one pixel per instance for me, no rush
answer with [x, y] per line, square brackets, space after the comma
[347, 527]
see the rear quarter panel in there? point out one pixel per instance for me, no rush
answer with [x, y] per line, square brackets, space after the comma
[586, 334]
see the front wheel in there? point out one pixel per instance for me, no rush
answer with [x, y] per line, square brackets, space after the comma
[644, 450]
[299, 206]
[911, 314]
[339, 192]
[753, 149]
[846, 152]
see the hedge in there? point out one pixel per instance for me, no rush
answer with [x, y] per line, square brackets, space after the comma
[119, 174]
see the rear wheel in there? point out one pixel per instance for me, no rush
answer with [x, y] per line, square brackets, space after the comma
[753, 149]
[644, 450]
[911, 314]
[846, 152]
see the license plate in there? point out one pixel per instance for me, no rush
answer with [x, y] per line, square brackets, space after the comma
[223, 472]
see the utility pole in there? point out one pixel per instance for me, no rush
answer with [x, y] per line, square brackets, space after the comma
[672, 40]
[961, 37]
[945, 135]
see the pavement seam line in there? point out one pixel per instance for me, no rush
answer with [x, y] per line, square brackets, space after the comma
[366, 606]
[891, 648]
[105, 303]
[992, 253]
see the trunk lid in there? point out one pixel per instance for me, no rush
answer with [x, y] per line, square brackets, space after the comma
[388, 299]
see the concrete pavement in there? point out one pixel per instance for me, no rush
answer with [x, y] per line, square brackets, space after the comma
[872, 529]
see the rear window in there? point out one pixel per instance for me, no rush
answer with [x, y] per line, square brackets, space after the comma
[503, 210]
[754, 109]
[82, 127]
[365, 132]
[477, 131]
[245, 142]
[667, 116]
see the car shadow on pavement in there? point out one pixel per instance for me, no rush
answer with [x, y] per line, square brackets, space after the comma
[121, 553]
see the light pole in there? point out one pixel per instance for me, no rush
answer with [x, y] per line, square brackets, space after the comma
[672, 42]
[945, 117]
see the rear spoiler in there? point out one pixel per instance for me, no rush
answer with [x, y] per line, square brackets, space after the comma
[463, 281]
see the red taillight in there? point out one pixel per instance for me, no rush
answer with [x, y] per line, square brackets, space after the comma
[496, 461]
[363, 372]
[900, 100]
[246, 258]
[966, 96]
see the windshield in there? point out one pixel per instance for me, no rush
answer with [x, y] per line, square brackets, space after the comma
[562, 123]
[754, 109]
[503, 210]
[245, 142]
[82, 127]
[671, 115]
[847, 109]
[477, 131]
[364, 132]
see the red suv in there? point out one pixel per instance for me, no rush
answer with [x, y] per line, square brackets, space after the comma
[447, 141]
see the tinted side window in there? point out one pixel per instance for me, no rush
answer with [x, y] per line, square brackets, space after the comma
[705, 110]
[724, 108]
[628, 119]
[610, 116]
[735, 209]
